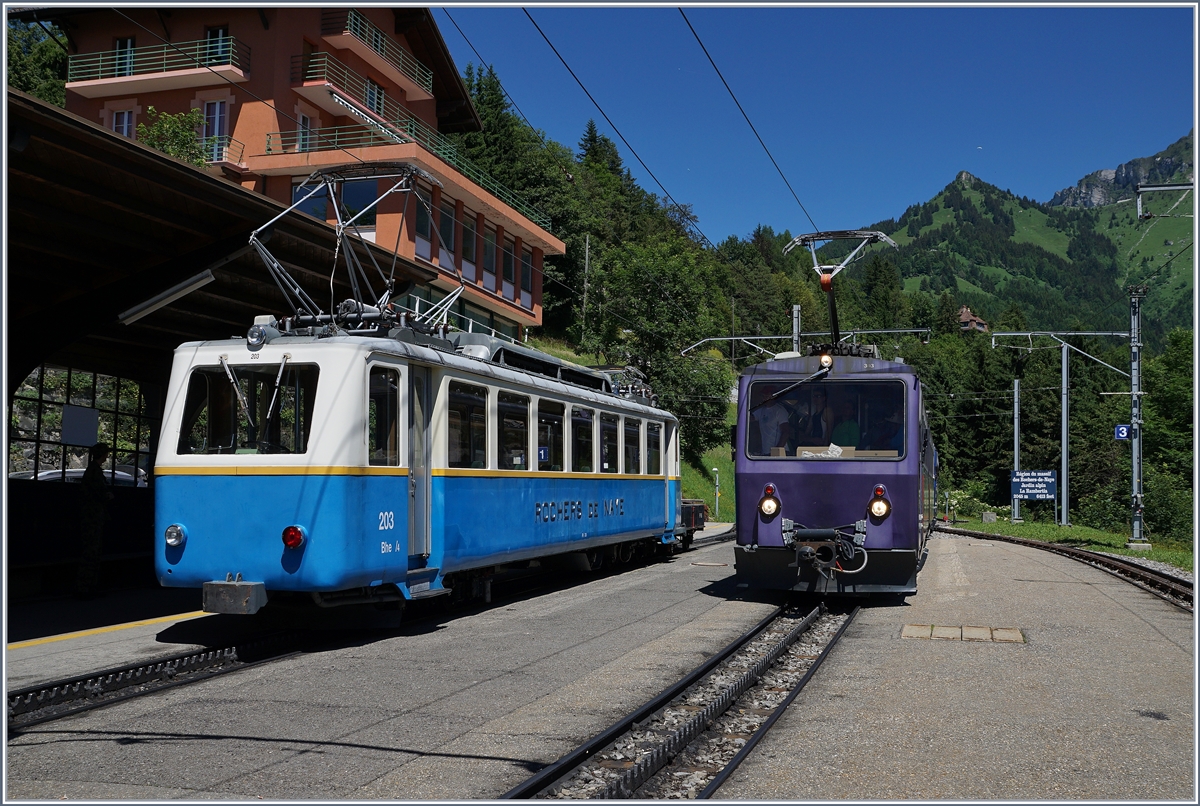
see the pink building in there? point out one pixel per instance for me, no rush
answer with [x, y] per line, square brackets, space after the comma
[285, 91]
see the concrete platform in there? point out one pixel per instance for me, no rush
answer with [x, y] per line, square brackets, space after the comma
[465, 706]
[1086, 690]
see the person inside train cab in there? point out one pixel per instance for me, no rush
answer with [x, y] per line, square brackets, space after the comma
[846, 431]
[816, 428]
[886, 433]
[773, 420]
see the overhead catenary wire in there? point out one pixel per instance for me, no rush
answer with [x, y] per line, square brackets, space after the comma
[747, 117]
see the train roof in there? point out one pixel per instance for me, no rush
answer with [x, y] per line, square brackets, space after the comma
[848, 359]
[482, 355]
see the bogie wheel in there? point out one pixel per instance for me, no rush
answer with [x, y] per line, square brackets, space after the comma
[595, 558]
[687, 540]
[624, 553]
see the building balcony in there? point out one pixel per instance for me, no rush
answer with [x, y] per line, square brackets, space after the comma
[404, 129]
[347, 29]
[178, 65]
[223, 149]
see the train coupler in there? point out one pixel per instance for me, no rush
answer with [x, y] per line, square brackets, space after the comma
[234, 596]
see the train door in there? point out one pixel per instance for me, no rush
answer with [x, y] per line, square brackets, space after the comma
[418, 464]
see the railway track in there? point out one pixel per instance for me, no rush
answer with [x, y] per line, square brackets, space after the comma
[1173, 589]
[688, 739]
[62, 698]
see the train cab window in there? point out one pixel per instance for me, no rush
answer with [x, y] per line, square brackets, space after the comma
[654, 448]
[633, 446]
[266, 408]
[513, 414]
[550, 435]
[826, 420]
[466, 444]
[608, 443]
[383, 417]
[582, 440]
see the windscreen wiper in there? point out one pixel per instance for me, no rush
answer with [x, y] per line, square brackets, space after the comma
[237, 389]
[788, 388]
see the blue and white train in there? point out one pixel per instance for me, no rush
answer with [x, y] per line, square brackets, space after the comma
[383, 468]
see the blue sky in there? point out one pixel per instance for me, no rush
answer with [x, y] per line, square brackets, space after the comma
[866, 110]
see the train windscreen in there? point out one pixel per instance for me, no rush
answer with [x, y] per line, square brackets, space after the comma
[826, 420]
[261, 409]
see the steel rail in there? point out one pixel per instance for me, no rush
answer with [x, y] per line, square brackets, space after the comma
[61, 698]
[560, 769]
[1172, 589]
[753, 741]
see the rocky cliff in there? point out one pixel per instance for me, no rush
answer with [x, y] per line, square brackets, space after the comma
[1173, 164]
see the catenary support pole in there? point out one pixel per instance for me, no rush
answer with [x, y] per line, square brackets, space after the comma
[1136, 293]
[1062, 481]
[795, 328]
[1016, 502]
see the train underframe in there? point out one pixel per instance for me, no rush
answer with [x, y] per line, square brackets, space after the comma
[793, 568]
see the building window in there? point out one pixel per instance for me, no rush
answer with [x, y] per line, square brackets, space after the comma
[489, 257]
[356, 196]
[383, 417]
[124, 57]
[122, 122]
[315, 205]
[304, 133]
[216, 126]
[58, 412]
[507, 261]
[375, 97]
[217, 45]
[424, 226]
[526, 270]
[513, 413]
[446, 231]
[467, 426]
[468, 244]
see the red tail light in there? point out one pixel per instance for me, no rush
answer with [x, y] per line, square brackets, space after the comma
[293, 537]
[879, 490]
[769, 489]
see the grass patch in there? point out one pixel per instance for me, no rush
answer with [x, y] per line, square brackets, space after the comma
[1084, 537]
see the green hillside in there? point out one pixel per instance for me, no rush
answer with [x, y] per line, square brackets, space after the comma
[1062, 266]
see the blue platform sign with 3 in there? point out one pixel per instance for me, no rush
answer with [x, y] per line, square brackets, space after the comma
[1121, 432]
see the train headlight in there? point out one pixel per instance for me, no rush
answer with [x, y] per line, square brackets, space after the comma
[293, 537]
[880, 507]
[768, 505]
[826, 360]
[258, 335]
[175, 535]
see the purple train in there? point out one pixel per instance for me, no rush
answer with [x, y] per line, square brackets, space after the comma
[836, 473]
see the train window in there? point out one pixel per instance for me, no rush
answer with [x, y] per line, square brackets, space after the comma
[608, 443]
[261, 410]
[582, 439]
[513, 414]
[654, 448]
[633, 446]
[550, 435]
[383, 417]
[826, 419]
[467, 426]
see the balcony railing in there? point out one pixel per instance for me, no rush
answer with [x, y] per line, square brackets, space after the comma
[407, 128]
[396, 124]
[222, 149]
[222, 51]
[338, 21]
